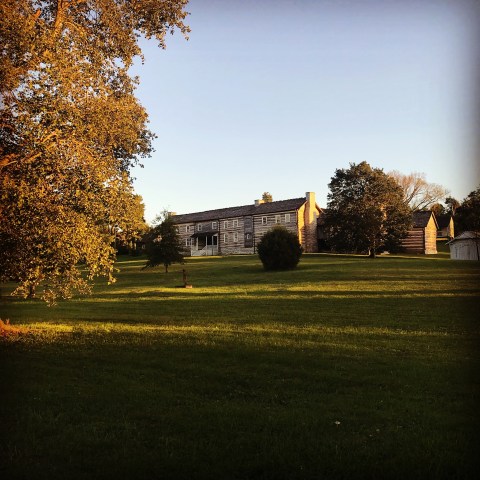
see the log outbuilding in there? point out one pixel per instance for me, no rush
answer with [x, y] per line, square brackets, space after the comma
[445, 226]
[422, 237]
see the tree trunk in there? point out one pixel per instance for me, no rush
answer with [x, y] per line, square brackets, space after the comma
[166, 268]
[31, 291]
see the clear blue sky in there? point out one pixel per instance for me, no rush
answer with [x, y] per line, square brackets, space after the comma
[274, 95]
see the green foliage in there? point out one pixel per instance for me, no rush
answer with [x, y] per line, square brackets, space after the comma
[134, 227]
[70, 130]
[438, 209]
[267, 197]
[467, 215]
[366, 211]
[162, 244]
[452, 205]
[279, 249]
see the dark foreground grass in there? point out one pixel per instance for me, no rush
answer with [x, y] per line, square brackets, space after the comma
[343, 368]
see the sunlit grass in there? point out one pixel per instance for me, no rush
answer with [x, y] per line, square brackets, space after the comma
[343, 368]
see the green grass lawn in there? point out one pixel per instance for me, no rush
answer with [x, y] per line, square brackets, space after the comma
[346, 367]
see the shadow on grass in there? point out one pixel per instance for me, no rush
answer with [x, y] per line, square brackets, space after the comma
[115, 405]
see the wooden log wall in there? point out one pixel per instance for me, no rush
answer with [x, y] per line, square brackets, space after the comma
[414, 242]
[232, 231]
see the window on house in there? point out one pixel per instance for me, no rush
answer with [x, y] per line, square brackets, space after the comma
[235, 223]
[287, 218]
[225, 238]
[186, 228]
[225, 224]
[248, 236]
[186, 242]
[191, 228]
[235, 237]
[264, 220]
[277, 218]
[199, 227]
[214, 225]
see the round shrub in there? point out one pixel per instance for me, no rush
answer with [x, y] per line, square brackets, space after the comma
[279, 249]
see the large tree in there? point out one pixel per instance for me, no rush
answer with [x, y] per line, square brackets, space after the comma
[417, 192]
[70, 130]
[467, 215]
[365, 210]
[452, 205]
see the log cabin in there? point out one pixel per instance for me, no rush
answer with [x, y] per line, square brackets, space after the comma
[237, 230]
[422, 237]
[445, 226]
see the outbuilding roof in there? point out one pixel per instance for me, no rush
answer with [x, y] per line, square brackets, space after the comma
[443, 220]
[469, 235]
[421, 219]
[244, 210]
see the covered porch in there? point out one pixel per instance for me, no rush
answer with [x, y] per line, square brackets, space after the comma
[204, 243]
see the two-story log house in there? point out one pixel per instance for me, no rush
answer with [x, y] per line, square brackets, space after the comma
[237, 230]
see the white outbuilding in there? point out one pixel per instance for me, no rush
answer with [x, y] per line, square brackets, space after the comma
[465, 247]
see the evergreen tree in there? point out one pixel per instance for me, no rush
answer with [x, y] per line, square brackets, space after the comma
[163, 244]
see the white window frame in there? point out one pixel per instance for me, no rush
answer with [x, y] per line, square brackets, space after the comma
[264, 220]
[235, 223]
[287, 218]
[225, 238]
[214, 225]
[225, 224]
[278, 219]
[235, 237]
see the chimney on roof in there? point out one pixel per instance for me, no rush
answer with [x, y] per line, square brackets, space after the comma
[259, 202]
[172, 214]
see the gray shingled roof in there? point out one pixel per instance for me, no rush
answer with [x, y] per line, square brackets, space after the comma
[468, 235]
[443, 220]
[421, 219]
[244, 210]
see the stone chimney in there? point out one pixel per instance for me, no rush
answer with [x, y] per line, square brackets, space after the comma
[311, 215]
[259, 202]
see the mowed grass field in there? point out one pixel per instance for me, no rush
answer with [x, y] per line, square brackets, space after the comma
[346, 367]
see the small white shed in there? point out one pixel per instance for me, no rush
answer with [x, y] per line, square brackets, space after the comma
[465, 247]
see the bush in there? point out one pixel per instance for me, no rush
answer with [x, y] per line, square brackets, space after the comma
[279, 249]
